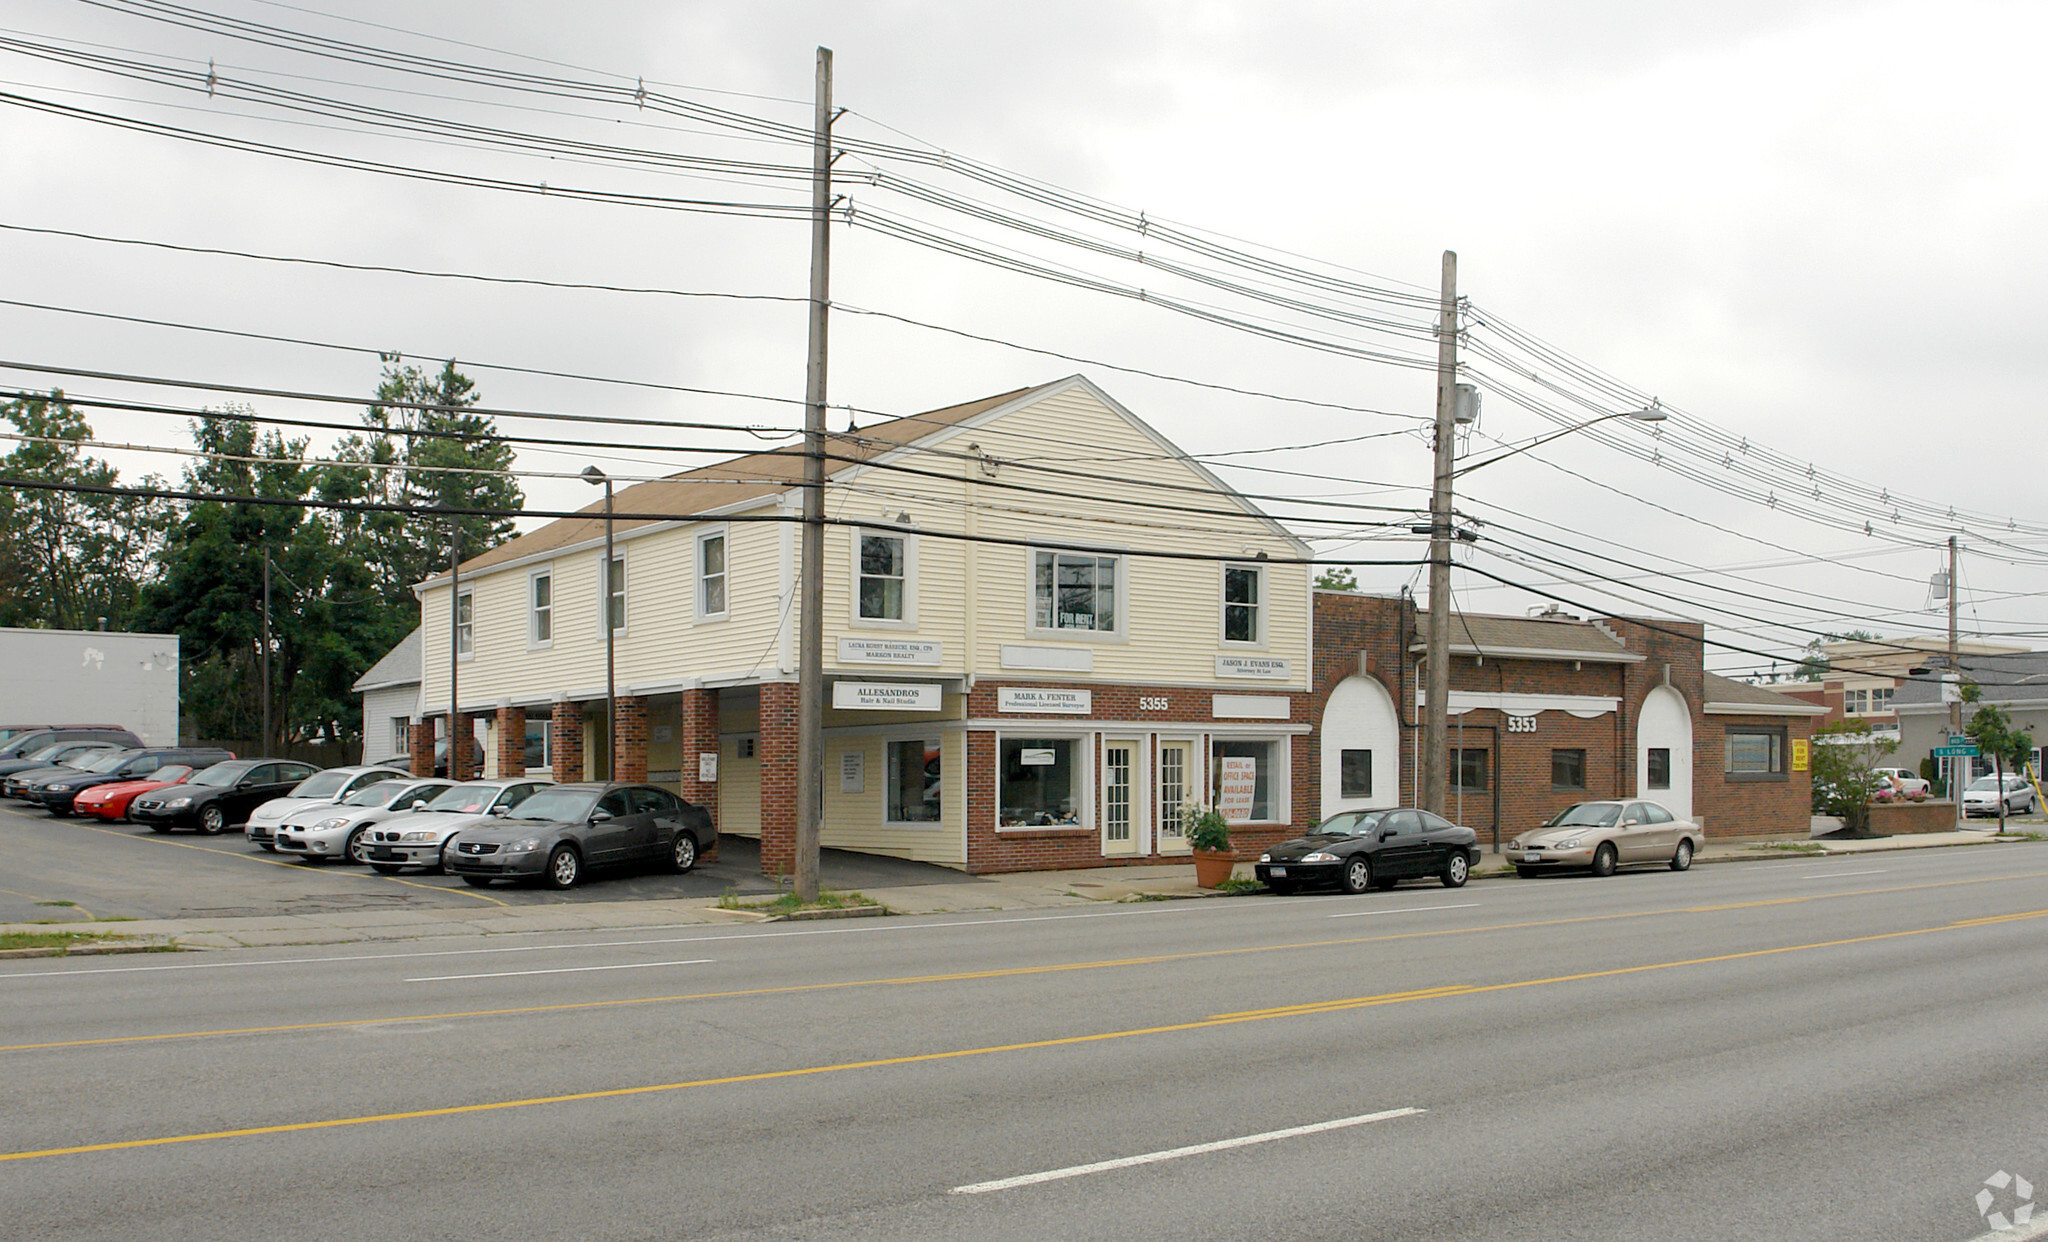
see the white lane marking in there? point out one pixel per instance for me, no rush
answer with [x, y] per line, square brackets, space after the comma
[1356, 914]
[2018, 1233]
[1154, 1157]
[559, 970]
[1836, 875]
[893, 925]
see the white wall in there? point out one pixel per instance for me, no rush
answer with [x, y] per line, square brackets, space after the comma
[91, 677]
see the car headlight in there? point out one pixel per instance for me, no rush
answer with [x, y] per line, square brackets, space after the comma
[60, 789]
[335, 822]
[1569, 843]
[416, 836]
[175, 803]
[1265, 858]
[527, 846]
[1319, 856]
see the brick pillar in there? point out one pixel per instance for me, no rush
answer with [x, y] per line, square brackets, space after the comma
[565, 737]
[699, 737]
[460, 740]
[423, 747]
[778, 778]
[630, 729]
[511, 741]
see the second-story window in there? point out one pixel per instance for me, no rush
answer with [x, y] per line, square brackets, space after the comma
[711, 575]
[1075, 591]
[465, 628]
[883, 571]
[542, 630]
[615, 592]
[1242, 590]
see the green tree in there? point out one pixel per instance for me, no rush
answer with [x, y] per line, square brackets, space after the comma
[1338, 579]
[70, 558]
[2009, 747]
[1843, 757]
[1814, 665]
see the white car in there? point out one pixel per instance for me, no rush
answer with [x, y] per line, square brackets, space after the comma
[422, 838]
[1905, 783]
[320, 789]
[1983, 796]
[341, 830]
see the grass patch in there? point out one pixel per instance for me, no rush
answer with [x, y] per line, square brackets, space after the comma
[1239, 884]
[57, 903]
[1137, 897]
[1793, 847]
[42, 940]
[790, 903]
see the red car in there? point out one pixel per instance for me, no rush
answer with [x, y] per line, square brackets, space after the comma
[110, 802]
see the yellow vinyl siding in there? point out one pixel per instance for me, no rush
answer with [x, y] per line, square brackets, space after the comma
[858, 821]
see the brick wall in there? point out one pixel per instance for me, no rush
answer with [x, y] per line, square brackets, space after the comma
[1730, 807]
[699, 732]
[511, 745]
[423, 747]
[565, 741]
[629, 725]
[777, 751]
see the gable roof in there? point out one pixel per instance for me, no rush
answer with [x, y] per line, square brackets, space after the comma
[2019, 677]
[1726, 696]
[399, 667]
[1530, 638]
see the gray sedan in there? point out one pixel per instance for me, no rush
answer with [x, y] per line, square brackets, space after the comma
[555, 834]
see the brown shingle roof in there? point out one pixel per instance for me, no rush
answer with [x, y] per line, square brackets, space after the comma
[727, 483]
[1726, 692]
[1478, 634]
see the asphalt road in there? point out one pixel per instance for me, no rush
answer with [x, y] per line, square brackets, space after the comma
[1840, 1049]
[80, 869]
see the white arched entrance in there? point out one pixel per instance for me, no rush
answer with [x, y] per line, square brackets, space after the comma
[1666, 726]
[1360, 717]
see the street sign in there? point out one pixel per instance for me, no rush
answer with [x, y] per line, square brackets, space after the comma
[1964, 751]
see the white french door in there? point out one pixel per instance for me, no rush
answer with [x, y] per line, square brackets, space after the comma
[1123, 797]
[1178, 781]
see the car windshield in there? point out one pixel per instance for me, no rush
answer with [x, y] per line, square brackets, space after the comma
[466, 799]
[569, 805]
[321, 784]
[379, 794]
[220, 775]
[1349, 824]
[107, 761]
[83, 760]
[48, 754]
[1987, 784]
[1586, 815]
[172, 774]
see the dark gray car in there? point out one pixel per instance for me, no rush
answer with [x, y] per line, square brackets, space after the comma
[563, 829]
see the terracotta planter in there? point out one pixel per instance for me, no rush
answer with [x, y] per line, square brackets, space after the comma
[1212, 867]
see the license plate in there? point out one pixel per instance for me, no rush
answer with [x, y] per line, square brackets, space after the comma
[381, 853]
[1276, 871]
[1532, 858]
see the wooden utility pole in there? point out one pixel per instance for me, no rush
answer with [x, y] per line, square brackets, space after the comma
[810, 709]
[1436, 711]
[456, 772]
[264, 746]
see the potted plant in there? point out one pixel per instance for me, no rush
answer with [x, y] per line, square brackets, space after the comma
[1208, 836]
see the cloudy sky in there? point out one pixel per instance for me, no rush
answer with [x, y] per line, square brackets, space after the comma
[1809, 229]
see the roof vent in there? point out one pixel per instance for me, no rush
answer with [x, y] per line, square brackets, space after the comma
[1552, 612]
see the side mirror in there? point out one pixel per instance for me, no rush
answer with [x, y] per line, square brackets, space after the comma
[1387, 835]
[598, 817]
[416, 804]
[500, 812]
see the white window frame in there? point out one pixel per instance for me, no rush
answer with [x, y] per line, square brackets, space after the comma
[698, 579]
[1260, 581]
[402, 727]
[547, 747]
[908, 621]
[1085, 743]
[889, 745]
[464, 650]
[604, 592]
[1279, 790]
[535, 614]
[1121, 586]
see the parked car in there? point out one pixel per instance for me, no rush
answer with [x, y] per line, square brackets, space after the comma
[28, 741]
[1983, 796]
[54, 760]
[1904, 784]
[1600, 836]
[322, 788]
[110, 802]
[425, 837]
[558, 832]
[220, 797]
[1357, 850]
[341, 830]
[56, 794]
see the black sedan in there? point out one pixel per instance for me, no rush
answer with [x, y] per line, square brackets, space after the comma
[1357, 850]
[562, 829]
[220, 797]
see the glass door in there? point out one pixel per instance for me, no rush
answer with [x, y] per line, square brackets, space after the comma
[1122, 807]
[1177, 785]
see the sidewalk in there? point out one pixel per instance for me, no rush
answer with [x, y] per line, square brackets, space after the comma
[1030, 890]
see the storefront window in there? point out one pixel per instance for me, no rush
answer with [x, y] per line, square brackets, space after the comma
[1259, 808]
[913, 781]
[1038, 785]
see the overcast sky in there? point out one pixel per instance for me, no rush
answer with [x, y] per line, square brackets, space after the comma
[1811, 228]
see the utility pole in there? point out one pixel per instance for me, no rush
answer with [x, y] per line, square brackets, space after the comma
[263, 747]
[1437, 708]
[456, 770]
[1952, 689]
[810, 709]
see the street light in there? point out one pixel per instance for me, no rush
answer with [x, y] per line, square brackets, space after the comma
[593, 476]
[1436, 721]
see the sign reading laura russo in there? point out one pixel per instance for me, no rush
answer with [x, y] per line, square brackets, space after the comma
[1045, 700]
[889, 651]
[1262, 667]
[887, 696]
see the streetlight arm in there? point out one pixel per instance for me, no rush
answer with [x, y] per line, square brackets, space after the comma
[1654, 414]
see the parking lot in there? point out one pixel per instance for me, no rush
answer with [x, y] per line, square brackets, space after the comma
[77, 870]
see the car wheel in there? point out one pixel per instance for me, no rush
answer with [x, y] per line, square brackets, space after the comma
[213, 821]
[684, 855]
[563, 868]
[357, 850]
[1603, 861]
[477, 881]
[1358, 874]
[1527, 873]
[1457, 870]
[1683, 858]
[1284, 888]
[386, 868]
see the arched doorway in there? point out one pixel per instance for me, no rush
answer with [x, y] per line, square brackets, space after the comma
[1664, 751]
[1361, 748]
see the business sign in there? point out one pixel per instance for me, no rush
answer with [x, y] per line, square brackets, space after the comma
[853, 772]
[1258, 668]
[1801, 754]
[887, 696]
[1044, 700]
[890, 651]
[1239, 783]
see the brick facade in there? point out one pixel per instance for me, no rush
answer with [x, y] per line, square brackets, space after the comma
[777, 749]
[423, 747]
[511, 741]
[565, 741]
[698, 734]
[630, 727]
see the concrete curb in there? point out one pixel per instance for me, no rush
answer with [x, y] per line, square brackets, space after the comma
[93, 950]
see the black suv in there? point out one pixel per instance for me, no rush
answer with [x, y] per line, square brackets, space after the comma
[22, 745]
[55, 793]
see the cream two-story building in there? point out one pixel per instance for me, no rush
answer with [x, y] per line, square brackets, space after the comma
[1046, 630]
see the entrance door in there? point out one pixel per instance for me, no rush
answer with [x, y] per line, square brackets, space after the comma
[1123, 803]
[1178, 781]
